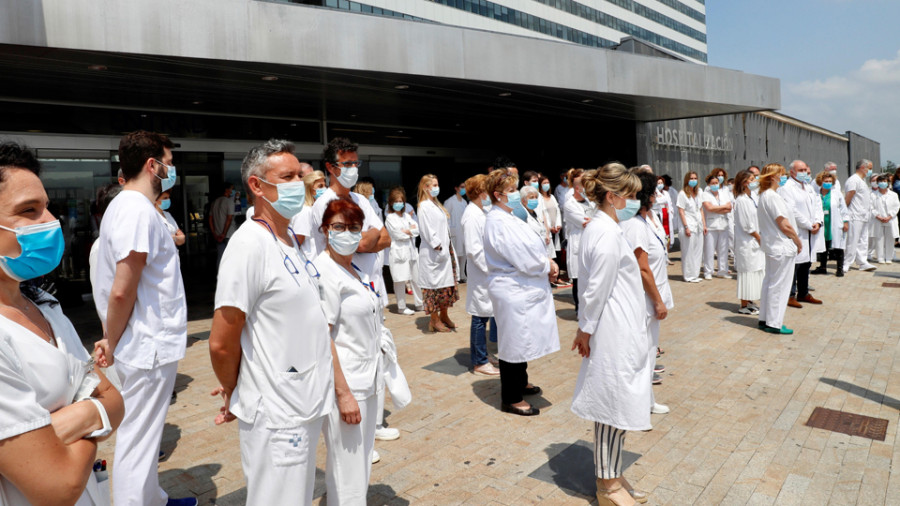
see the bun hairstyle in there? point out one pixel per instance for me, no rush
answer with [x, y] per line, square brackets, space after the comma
[612, 177]
[572, 174]
[771, 173]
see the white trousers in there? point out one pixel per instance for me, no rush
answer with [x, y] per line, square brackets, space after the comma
[776, 289]
[146, 394]
[715, 243]
[691, 254]
[857, 244]
[400, 290]
[461, 267]
[653, 328]
[884, 242]
[349, 449]
[279, 464]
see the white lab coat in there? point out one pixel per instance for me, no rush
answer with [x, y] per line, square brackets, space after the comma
[478, 301]
[519, 289]
[612, 386]
[554, 215]
[886, 204]
[807, 212]
[748, 255]
[676, 219]
[456, 206]
[839, 214]
[435, 267]
[574, 212]
[403, 255]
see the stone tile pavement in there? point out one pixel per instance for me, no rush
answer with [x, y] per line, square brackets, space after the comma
[735, 435]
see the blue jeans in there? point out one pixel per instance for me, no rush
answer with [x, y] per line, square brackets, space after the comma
[477, 340]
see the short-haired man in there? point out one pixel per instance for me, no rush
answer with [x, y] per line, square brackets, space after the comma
[140, 297]
[798, 194]
[305, 169]
[221, 220]
[859, 205]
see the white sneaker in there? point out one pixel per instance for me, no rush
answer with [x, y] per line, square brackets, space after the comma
[867, 267]
[724, 276]
[693, 280]
[486, 369]
[407, 311]
[375, 457]
[420, 308]
[707, 276]
[659, 409]
[386, 434]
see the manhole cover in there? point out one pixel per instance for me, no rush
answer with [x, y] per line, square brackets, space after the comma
[891, 285]
[848, 423]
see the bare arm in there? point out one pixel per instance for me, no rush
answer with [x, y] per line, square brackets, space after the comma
[849, 196]
[225, 354]
[347, 404]
[785, 226]
[687, 230]
[77, 420]
[650, 284]
[122, 297]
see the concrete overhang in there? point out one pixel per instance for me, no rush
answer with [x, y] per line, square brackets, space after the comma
[340, 66]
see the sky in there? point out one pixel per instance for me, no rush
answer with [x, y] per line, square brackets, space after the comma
[838, 60]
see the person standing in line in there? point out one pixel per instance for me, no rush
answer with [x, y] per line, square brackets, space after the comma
[830, 168]
[534, 217]
[221, 220]
[858, 198]
[693, 228]
[835, 224]
[518, 273]
[314, 186]
[163, 202]
[612, 390]
[456, 206]
[478, 301]
[140, 298]
[754, 193]
[647, 238]
[717, 205]
[577, 212]
[781, 244]
[808, 216]
[562, 189]
[885, 207]
[554, 216]
[267, 290]
[749, 260]
[403, 257]
[355, 318]
[437, 258]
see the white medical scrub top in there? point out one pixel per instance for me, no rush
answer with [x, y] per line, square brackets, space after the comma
[640, 233]
[691, 206]
[286, 368]
[748, 255]
[715, 221]
[861, 205]
[774, 242]
[156, 333]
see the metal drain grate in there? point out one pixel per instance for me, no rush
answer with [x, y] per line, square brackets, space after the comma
[848, 423]
[891, 285]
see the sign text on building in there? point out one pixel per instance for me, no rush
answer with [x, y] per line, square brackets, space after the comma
[686, 139]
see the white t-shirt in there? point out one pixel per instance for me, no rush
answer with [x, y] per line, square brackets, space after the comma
[354, 309]
[36, 379]
[860, 207]
[774, 242]
[300, 224]
[221, 209]
[640, 233]
[286, 368]
[715, 221]
[156, 333]
[691, 206]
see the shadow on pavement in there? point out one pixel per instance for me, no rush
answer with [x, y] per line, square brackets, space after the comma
[746, 321]
[458, 364]
[865, 393]
[567, 314]
[488, 390]
[724, 306]
[194, 482]
[571, 467]
[171, 436]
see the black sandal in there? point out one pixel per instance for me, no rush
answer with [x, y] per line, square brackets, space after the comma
[531, 411]
[532, 390]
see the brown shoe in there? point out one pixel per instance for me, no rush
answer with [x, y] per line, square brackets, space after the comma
[792, 302]
[812, 300]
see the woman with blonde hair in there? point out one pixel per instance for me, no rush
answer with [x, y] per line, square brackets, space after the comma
[518, 270]
[403, 258]
[693, 227]
[314, 184]
[780, 242]
[612, 390]
[437, 260]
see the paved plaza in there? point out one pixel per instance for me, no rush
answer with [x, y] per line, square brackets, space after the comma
[736, 434]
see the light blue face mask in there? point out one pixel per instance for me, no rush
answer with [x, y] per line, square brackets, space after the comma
[319, 192]
[660, 186]
[754, 185]
[803, 177]
[545, 187]
[164, 204]
[532, 204]
[869, 174]
[291, 197]
[462, 192]
[486, 203]
[534, 184]
[632, 206]
[721, 179]
[882, 185]
[168, 182]
[435, 191]
[42, 248]
[398, 206]
[827, 186]
[692, 183]
[782, 180]
[713, 187]
[513, 199]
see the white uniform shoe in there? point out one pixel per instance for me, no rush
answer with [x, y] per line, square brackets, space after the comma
[659, 409]
[407, 311]
[375, 456]
[386, 434]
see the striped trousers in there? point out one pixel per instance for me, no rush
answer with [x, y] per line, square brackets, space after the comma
[608, 443]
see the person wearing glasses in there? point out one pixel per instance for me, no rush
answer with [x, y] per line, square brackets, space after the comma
[437, 258]
[518, 269]
[354, 312]
[269, 344]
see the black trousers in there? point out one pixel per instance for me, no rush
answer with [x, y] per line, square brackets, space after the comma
[575, 293]
[800, 287]
[513, 380]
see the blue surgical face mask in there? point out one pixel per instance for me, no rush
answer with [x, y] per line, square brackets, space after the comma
[713, 187]
[319, 192]
[42, 248]
[869, 174]
[632, 206]
[169, 181]
[372, 197]
[692, 183]
[462, 192]
[660, 186]
[435, 191]
[532, 204]
[782, 180]
[486, 203]
[291, 197]
[721, 179]
[534, 184]
[164, 204]
[545, 187]
[803, 177]
[882, 185]
[753, 185]
[513, 199]
[398, 206]
[827, 186]
[344, 243]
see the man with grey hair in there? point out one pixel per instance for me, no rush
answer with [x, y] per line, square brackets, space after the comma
[859, 206]
[798, 195]
[305, 169]
[830, 168]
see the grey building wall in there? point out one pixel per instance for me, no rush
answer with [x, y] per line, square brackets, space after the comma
[734, 142]
[861, 147]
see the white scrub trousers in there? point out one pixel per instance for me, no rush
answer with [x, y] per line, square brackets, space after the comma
[884, 242]
[691, 255]
[146, 393]
[776, 289]
[279, 464]
[349, 449]
[715, 243]
[857, 244]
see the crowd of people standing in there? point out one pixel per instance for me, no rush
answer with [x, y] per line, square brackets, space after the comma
[299, 343]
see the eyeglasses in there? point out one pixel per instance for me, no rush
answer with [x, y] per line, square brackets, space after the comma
[346, 165]
[311, 270]
[341, 227]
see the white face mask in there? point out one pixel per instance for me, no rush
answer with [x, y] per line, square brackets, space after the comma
[348, 176]
[344, 243]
